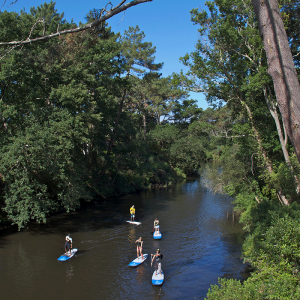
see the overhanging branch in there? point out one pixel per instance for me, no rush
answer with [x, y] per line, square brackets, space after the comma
[110, 13]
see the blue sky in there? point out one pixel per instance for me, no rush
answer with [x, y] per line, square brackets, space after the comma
[166, 23]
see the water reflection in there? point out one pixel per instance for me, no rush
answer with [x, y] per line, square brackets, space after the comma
[141, 272]
[69, 271]
[132, 234]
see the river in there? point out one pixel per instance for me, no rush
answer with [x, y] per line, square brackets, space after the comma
[199, 244]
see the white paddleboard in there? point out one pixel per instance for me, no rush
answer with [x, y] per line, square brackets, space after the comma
[158, 279]
[138, 261]
[157, 235]
[67, 256]
[133, 222]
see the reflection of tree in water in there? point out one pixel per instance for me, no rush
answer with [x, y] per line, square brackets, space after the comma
[69, 271]
[141, 271]
[131, 234]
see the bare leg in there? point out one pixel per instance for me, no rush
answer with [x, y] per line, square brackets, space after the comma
[141, 253]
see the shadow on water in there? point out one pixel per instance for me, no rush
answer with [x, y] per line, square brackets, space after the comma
[107, 213]
[4, 232]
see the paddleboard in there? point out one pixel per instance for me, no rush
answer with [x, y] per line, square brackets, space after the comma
[157, 235]
[158, 279]
[133, 222]
[66, 256]
[138, 261]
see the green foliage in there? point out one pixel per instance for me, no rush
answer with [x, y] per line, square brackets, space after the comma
[269, 284]
[187, 154]
[290, 14]
[48, 108]
[165, 135]
[276, 256]
[72, 112]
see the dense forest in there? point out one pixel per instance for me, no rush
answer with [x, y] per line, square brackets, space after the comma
[88, 115]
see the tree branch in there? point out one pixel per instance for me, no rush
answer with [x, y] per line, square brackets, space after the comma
[9, 5]
[113, 11]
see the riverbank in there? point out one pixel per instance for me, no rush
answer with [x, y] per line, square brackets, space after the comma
[161, 178]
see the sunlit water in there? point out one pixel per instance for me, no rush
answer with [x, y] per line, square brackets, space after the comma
[199, 244]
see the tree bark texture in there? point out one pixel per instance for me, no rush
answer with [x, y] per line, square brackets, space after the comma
[280, 67]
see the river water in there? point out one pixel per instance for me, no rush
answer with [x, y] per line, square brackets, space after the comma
[199, 244]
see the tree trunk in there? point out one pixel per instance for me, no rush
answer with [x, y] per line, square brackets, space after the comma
[267, 162]
[274, 114]
[280, 67]
[144, 124]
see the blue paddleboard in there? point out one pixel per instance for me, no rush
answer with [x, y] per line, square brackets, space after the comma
[66, 256]
[138, 261]
[158, 279]
[157, 235]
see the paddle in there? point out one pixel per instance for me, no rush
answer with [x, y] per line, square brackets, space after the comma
[151, 259]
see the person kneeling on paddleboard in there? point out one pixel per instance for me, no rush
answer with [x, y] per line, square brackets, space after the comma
[156, 225]
[139, 247]
[132, 213]
[68, 244]
[157, 257]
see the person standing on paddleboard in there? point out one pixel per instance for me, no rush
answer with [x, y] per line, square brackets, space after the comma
[156, 225]
[139, 247]
[132, 213]
[157, 257]
[68, 244]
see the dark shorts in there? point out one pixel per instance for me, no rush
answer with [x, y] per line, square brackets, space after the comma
[67, 245]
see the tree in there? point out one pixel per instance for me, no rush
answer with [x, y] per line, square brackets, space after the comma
[53, 96]
[280, 67]
[231, 67]
[137, 57]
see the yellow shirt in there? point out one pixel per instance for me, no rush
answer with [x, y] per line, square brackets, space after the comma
[132, 210]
